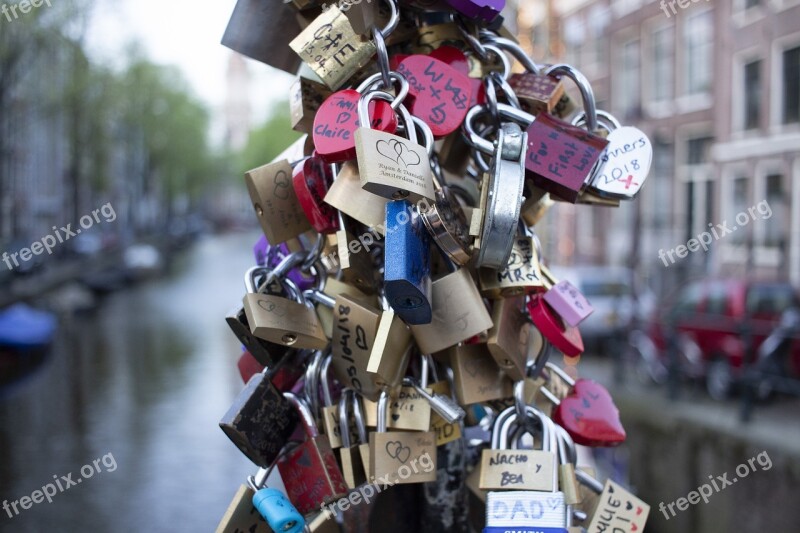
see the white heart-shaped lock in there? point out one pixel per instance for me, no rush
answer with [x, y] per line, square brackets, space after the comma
[626, 163]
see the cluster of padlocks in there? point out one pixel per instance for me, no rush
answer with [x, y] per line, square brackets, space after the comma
[400, 318]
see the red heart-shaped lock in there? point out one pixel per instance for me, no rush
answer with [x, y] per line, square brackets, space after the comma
[453, 57]
[336, 122]
[310, 180]
[565, 338]
[589, 415]
[438, 94]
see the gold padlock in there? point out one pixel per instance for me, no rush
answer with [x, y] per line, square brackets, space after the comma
[477, 377]
[332, 49]
[458, 313]
[408, 410]
[509, 337]
[282, 321]
[354, 330]
[305, 98]
[521, 275]
[347, 196]
[389, 165]
[275, 202]
[390, 351]
[403, 456]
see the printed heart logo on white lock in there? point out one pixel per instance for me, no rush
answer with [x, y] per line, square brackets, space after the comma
[398, 152]
[626, 163]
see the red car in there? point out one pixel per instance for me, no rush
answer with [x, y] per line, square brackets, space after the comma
[711, 319]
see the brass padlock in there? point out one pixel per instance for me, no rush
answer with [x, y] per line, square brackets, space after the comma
[477, 377]
[286, 322]
[305, 98]
[351, 259]
[458, 313]
[353, 465]
[332, 49]
[401, 456]
[520, 275]
[388, 358]
[275, 202]
[347, 196]
[362, 336]
[389, 165]
[511, 336]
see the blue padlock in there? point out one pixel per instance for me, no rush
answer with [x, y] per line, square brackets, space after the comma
[407, 263]
[277, 510]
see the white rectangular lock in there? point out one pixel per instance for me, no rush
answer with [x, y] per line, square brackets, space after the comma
[525, 510]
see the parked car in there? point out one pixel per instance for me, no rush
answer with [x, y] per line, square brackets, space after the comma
[710, 322]
[609, 291]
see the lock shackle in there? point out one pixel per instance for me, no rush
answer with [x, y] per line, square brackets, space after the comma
[498, 424]
[560, 373]
[344, 426]
[474, 42]
[319, 297]
[588, 481]
[363, 112]
[502, 57]
[324, 371]
[490, 84]
[258, 481]
[376, 82]
[427, 369]
[604, 119]
[311, 385]
[532, 415]
[361, 421]
[306, 416]
[587, 94]
[383, 412]
[513, 48]
[534, 367]
[427, 134]
[567, 453]
[394, 18]
[250, 278]
[505, 111]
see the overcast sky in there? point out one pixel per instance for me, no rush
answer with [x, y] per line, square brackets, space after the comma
[185, 33]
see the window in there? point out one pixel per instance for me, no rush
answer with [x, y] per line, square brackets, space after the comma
[698, 150]
[774, 230]
[663, 170]
[697, 36]
[629, 91]
[752, 95]
[662, 54]
[751, 3]
[740, 203]
[791, 85]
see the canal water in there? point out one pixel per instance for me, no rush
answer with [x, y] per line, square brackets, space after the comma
[134, 391]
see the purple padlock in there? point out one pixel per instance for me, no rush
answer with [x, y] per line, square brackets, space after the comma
[484, 9]
[270, 256]
[569, 303]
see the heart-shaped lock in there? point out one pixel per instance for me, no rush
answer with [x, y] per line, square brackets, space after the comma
[570, 304]
[565, 338]
[310, 182]
[589, 415]
[626, 163]
[438, 93]
[337, 120]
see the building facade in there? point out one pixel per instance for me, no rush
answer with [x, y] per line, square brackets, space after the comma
[716, 86]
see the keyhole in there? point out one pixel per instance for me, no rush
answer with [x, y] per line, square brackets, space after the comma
[259, 211]
[289, 339]
[400, 194]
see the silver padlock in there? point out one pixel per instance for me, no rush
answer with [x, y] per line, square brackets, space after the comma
[501, 189]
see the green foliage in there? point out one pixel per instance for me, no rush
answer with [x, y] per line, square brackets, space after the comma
[269, 140]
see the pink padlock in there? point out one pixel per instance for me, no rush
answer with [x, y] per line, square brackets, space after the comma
[569, 303]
